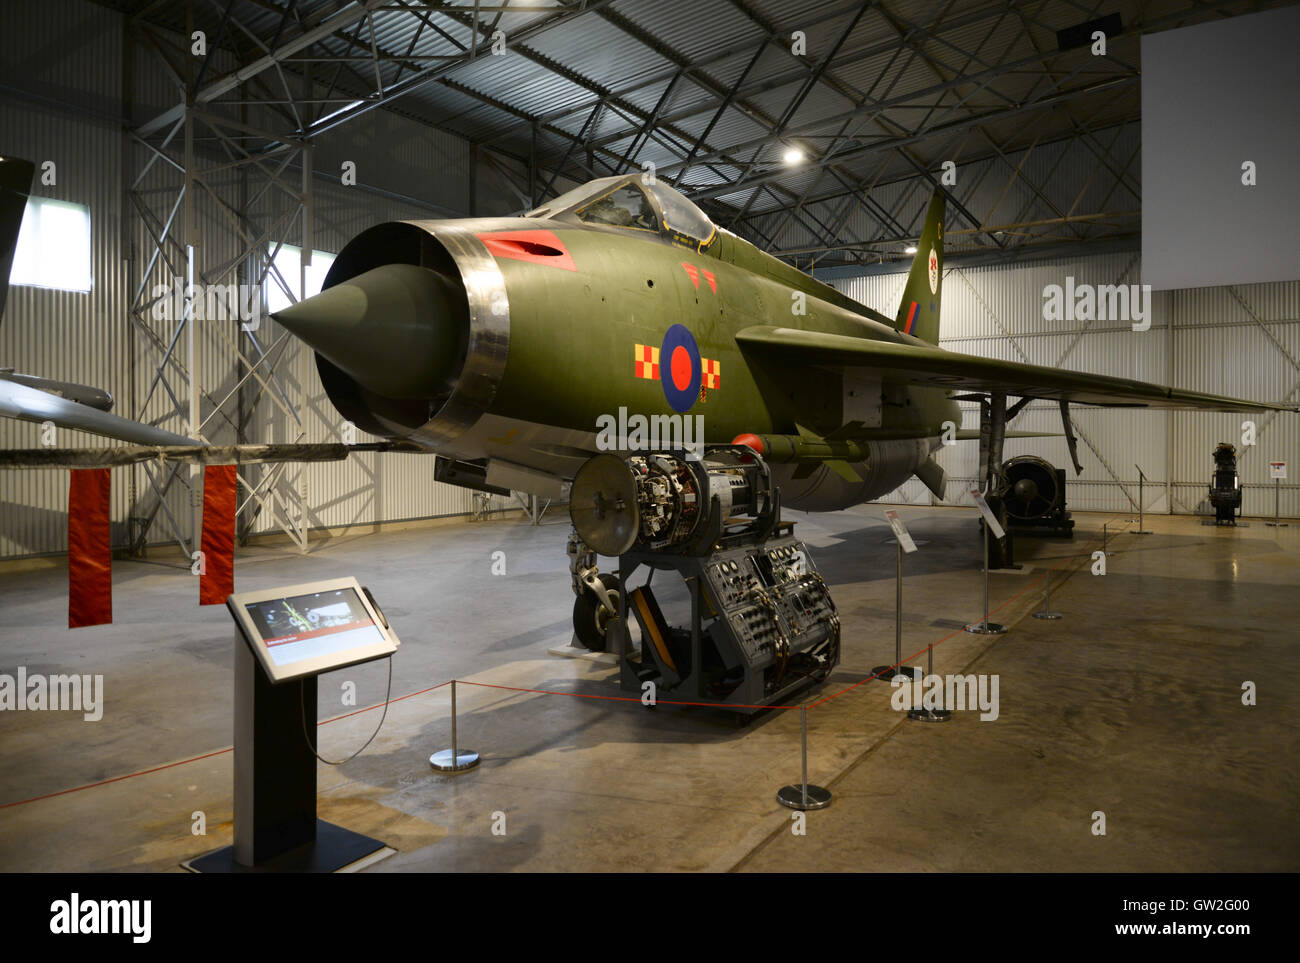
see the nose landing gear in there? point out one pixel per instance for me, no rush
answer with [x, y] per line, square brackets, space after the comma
[597, 594]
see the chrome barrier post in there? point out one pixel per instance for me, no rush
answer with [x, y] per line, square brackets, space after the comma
[454, 759]
[1046, 611]
[804, 797]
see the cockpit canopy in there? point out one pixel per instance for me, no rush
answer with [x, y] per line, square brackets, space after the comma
[626, 201]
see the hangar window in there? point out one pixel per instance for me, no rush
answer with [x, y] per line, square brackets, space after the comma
[287, 264]
[53, 246]
[625, 207]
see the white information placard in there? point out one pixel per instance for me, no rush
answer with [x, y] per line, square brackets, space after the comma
[900, 532]
[995, 529]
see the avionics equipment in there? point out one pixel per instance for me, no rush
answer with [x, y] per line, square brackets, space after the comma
[1035, 495]
[284, 638]
[1225, 486]
[762, 624]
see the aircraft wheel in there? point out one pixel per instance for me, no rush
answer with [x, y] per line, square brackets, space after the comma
[590, 617]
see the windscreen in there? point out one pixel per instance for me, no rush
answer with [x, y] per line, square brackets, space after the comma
[575, 197]
[624, 207]
[680, 214]
[310, 626]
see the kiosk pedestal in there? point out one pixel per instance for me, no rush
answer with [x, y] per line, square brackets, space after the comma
[276, 829]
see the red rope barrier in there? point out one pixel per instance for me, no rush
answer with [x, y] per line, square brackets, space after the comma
[576, 695]
[206, 755]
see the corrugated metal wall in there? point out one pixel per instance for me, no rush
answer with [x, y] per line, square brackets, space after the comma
[59, 51]
[64, 69]
[1242, 341]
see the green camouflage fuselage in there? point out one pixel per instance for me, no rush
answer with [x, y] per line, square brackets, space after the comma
[565, 322]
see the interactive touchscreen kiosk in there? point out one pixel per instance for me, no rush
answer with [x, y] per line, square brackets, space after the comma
[308, 629]
[284, 638]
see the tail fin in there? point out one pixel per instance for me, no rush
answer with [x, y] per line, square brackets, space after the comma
[918, 315]
[15, 183]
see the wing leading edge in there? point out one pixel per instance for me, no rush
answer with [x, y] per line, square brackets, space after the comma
[928, 366]
[31, 404]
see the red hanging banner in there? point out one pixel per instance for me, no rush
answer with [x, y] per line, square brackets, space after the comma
[90, 550]
[217, 574]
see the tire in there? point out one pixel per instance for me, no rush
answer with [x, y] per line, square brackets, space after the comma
[590, 617]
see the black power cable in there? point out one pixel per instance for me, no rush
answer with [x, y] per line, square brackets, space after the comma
[302, 702]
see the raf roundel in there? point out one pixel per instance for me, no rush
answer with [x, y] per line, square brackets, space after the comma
[680, 369]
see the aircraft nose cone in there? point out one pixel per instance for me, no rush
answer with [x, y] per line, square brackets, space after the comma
[396, 330]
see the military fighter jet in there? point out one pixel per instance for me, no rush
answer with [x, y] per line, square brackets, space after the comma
[503, 344]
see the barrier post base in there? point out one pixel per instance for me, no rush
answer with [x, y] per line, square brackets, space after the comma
[886, 673]
[986, 628]
[793, 797]
[929, 715]
[460, 761]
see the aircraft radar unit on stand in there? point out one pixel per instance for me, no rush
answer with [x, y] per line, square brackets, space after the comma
[761, 622]
[1225, 485]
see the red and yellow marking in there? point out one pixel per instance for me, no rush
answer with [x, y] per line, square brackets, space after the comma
[712, 373]
[646, 365]
[647, 362]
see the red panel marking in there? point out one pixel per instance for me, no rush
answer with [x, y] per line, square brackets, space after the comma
[536, 247]
[692, 272]
[681, 369]
[911, 316]
[708, 276]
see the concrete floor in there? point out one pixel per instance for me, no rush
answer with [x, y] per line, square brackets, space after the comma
[1131, 705]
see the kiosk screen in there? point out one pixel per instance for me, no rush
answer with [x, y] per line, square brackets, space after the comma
[311, 626]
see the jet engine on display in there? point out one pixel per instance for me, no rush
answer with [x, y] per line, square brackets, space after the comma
[1225, 485]
[1035, 495]
[760, 622]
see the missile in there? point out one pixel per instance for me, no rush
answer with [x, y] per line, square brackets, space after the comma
[810, 451]
[784, 449]
[398, 330]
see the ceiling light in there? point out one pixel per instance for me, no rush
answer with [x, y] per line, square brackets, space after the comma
[792, 155]
[910, 250]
